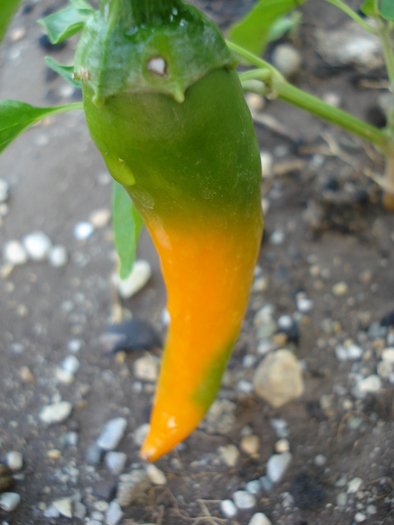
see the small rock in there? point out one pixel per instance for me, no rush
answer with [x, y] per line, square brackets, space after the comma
[266, 483]
[354, 485]
[115, 462]
[278, 378]
[4, 190]
[138, 278]
[282, 445]
[37, 245]
[244, 500]
[369, 385]
[113, 514]
[14, 460]
[112, 433]
[14, 253]
[281, 427]
[132, 487]
[64, 506]
[9, 501]
[58, 256]
[71, 439]
[55, 413]
[277, 466]
[259, 519]
[388, 355]
[228, 508]
[265, 346]
[94, 454]
[74, 346]
[340, 289]
[277, 237]
[287, 59]
[341, 499]
[100, 218]
[360, 517]
[320, 460]
[267, 162]
[140, 434]
[51, 512]
[371, 510]
[250, 444]
[229, 454]
[254, 486]
[83, 230]
[254, 101]
[79, 510]
[333, 99]
[26, 375]
[156, 476]
[146, 368]
[71, 364]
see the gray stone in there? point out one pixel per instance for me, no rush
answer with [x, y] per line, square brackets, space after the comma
[115, 462]
[138, 278]
[9, 501]
[228, 508]
[156, 476]
[71, 364]
[359, 517]
[369, 385]
[132, 487]
[266, 483]
[354, 485]
[64, 506]
[254, 486]
[112, 433]
[277, 237]
[320, 460]
[341, 499]
[287, 60]
[278, 378]
[55, 413]
[277, 466]
[114, 513]
[388, 355]
[51, 512]
[140, 434]
[79, 510]
[244, 500]
[229, 454]
[37, 245]
[146, 368]
[94, 454]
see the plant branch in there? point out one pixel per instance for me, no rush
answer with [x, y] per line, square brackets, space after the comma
[357, 18]
[286, 91]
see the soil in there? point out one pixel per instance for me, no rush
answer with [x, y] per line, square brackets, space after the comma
[56, 179]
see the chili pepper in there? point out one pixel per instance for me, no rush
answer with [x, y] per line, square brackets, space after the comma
[164, 106]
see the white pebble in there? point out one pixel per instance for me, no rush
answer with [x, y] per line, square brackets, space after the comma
[354, 485]
[51, 512]
[156, 476]
[14, 460]
[14, 253]
[71, 364]
[58, 256]
[115, 462]
[277, 237]
[278, 378]
[244, 500]
[140, 434]
[369, 385]
[83, 230]
[285, 322]
[55, 413]
[277, 466]
[333, 99]
[282, 445]
[228, 508]
[64, 506]
[259, 519]
[9, 501]
[354, 352]
[340, 289]
[388, 355]
[320, 460]
[304, 304]
[360, 517]
[254, 486]
[112, 433]
[146, 368]
[287, 59]
[250, 444]
[74, 345]
[254, 101]
[4, 190]
[113, 514]
[100, 218]
[267, 162]
[37, 245]
[229, 454]
[138, 278]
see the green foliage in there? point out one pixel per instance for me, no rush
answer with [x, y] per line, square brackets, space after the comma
[67, 22]
[370, 7]
[284, 24]
[7, 10]
[127, 224]
[253, 31]
[16, 116]
[386, 9]
[64, 71]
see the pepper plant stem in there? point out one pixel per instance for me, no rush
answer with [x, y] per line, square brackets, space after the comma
[286, 91]
[346, 9]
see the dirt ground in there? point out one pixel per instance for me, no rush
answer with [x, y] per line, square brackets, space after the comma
[57, 179]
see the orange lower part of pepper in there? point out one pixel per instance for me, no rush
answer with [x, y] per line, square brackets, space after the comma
[208, 270]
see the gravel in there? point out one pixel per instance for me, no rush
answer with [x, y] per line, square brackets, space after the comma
[277, 466]
[112, 433]
[56, 413]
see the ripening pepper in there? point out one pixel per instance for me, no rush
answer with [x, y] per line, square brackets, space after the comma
[165, 107]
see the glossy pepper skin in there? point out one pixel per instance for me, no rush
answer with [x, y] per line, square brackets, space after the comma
[191, 165]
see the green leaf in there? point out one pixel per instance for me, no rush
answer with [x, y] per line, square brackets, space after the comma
[283, 25]
[65, 23]
[64, 71]
[7, 10]
[253, 30]
[127, 227]
[81, 4]
[386, 9]
[370, 7]
[16, 116]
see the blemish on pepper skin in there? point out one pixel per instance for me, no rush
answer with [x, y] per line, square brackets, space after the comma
[84, 74]
[158, 66]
